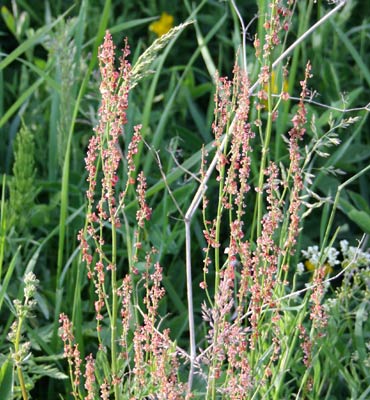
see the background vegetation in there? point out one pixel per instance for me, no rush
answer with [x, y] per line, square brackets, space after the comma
[49, 101]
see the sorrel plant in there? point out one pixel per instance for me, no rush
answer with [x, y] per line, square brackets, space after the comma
[254, 317]
[244, 227]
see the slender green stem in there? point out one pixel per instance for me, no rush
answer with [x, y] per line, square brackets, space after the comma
[18, 360]
[291, 348]
[21, 383]
[265, 150]
[114, 310]
[2, 228]
[218, 228]
[131, 257]
[212, 379]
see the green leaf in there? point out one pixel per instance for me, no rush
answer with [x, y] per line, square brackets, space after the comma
[353, 51]
[365, 394]
[317, 374]
[358, 201]
[174, 295]
[141, 266]
[3, 223]
[47, 370]
[102, 369]
[178, 325]
[354, 153]
[6, 380]
[360, 218]
[14, 107]
[6, 280]
[32, 262]
[8, 19]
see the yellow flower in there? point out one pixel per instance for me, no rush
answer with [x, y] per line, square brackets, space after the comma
[163, 25]
[311, 267]
[274, 86]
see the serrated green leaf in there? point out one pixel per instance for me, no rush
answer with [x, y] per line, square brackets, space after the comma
[6, 381]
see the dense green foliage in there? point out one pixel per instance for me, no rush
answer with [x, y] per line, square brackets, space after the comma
[49, 101]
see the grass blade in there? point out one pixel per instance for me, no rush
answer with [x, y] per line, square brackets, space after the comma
[6, 380]
[8, 276]
[354, 53]
[31, 42]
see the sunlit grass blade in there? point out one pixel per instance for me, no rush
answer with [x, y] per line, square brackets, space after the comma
[8, 276]
[3, 225]
[7, 380]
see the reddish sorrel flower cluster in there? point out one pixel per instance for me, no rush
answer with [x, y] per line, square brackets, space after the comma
[296, 135]
[154, 356]
[277, 22]
[248, 279]
[248, 249]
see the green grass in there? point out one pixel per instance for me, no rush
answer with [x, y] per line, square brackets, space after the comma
[49, 86]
